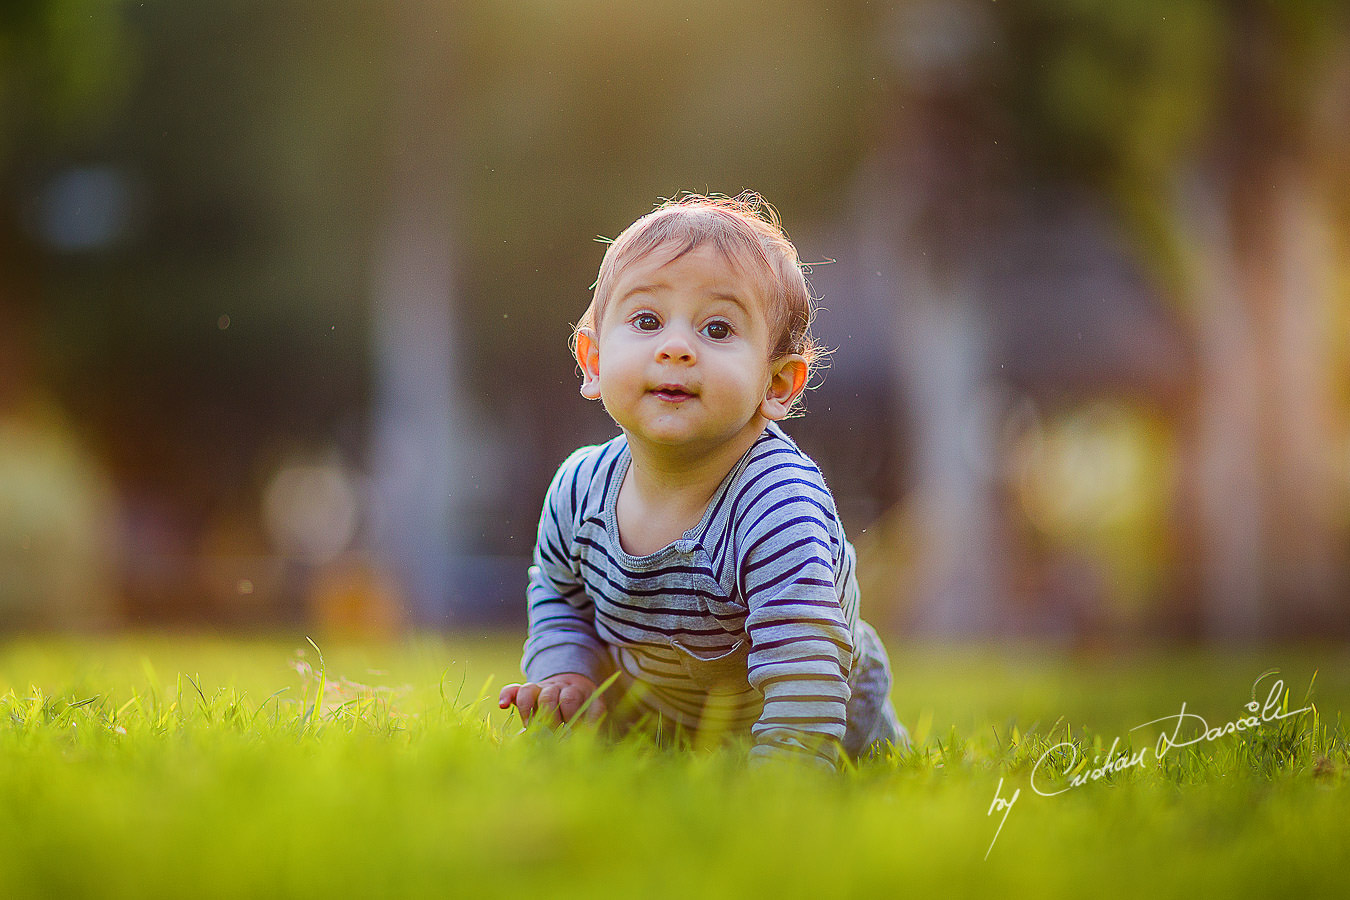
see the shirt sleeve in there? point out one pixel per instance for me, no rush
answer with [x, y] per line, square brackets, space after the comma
[801, 647]
[562, 635]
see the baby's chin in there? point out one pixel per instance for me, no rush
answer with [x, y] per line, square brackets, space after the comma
[678, 431]
[667, 433]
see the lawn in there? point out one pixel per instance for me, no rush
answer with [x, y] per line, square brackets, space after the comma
[159, 766]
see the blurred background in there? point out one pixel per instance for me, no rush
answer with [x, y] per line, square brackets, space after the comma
[286, 287]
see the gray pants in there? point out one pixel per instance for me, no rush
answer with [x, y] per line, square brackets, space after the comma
[872, 722]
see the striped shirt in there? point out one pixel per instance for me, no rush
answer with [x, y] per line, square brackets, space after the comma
[753, 612]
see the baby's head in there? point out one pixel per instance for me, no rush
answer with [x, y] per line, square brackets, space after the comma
[744, 230]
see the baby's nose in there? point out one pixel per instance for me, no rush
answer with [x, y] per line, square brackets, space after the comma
[675, 348]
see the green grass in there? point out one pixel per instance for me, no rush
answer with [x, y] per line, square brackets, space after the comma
[162, 766]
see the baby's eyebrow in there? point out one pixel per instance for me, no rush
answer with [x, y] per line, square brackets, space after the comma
[731, 298]
[656, 287]
[641, 289]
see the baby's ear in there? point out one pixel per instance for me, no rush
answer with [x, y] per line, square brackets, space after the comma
[588, 357]
[786, 383]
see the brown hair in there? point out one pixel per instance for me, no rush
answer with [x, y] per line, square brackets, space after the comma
[746, 231]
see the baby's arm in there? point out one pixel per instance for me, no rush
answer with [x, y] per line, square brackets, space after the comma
[557, 698]
[801, 646]
[564, 658]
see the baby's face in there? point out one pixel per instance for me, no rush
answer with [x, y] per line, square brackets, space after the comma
[684, 351]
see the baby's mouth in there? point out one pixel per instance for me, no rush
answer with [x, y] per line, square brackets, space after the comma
[672, 393]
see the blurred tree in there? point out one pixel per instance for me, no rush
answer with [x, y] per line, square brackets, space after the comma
[423, 455]
[224, 327]
[928, 202]
[1265, 273]
[1205, 123]
[64, 67]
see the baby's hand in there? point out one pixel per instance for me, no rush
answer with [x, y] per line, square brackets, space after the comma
[557, 698]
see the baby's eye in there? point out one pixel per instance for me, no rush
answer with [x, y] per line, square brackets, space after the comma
[718, 331]
[647, 322]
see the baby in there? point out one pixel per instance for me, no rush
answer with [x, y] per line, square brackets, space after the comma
[697, 558]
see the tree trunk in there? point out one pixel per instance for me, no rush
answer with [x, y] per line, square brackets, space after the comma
[927, 203]
[1269, 486]
[1231, 503]
[421, 446]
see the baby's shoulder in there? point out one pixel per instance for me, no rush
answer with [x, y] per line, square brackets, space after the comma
[780, 481]
[586, 473]
[776, 456]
